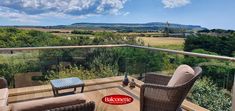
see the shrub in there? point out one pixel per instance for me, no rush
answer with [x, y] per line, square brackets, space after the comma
[9, 70]
[195, 61]
[221, 74]
[206, 94]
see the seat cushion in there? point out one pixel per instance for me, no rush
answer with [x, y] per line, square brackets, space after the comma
[5, 108]
[4, 93]
[3, 102]
[50, 103]
[182, 74]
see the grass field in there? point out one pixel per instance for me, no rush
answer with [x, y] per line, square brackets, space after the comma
[161, 42]
[164, 42]
[150, 38]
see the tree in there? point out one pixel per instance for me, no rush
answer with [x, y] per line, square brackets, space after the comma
[220, 45]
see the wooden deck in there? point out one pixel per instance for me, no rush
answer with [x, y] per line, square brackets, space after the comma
[94, 90]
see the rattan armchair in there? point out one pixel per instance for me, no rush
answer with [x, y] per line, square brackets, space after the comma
[156, 95]
[3, 83]
[89, 106]
[3, 93]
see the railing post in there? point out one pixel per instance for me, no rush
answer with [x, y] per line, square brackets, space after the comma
[233, 95]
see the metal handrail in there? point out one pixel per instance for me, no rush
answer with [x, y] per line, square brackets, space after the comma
[232, 59]
[62, 47]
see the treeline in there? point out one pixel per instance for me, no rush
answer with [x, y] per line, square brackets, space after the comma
[88, 32]
[217, 31]
[11, 37]
[224, 45]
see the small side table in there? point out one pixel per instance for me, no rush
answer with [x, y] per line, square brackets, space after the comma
[66, 83]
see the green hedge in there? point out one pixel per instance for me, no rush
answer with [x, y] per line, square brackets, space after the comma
[206, 94]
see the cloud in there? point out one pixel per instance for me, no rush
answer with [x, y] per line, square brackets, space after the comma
[175, 3]
[19, 17]
[73, 8]
[126, 13]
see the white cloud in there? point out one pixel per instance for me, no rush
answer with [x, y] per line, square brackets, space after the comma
[18, 17]
[22, 9]
[126, 13]
[114, 5]
[71, 7]
[175, 3]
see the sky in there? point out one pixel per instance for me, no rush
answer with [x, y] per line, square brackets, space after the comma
[206, 13]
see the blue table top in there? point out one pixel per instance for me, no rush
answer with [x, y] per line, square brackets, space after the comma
[66, 82]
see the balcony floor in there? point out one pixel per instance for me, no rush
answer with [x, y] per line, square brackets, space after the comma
[94, 90]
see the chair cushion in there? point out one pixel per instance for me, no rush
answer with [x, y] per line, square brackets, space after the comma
[3, 102]
[5, 108]
[182, 74]
[4, 93]
[50, 103]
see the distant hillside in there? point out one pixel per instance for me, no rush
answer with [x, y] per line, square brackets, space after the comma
[153, 24]
[146, 26]
[125, 27]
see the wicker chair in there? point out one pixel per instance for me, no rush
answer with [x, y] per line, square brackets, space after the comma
[89, 106]
[156, 95]
[74, 102]
[3, 93]
[3, 83]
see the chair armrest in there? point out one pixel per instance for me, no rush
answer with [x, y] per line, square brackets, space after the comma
[160, 96]
[155, 88]
[3, 83]
[157, 79]
[89, 106]
[161, 89]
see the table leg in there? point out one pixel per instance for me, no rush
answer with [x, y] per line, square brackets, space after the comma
[82, 89]
[57, 92]
[53, 91]
[74, 90]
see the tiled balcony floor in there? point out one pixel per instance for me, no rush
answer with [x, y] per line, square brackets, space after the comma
[94, 90]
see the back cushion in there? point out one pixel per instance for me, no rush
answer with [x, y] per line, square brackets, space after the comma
[3, 103]
[182, 74]
[3, 93]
